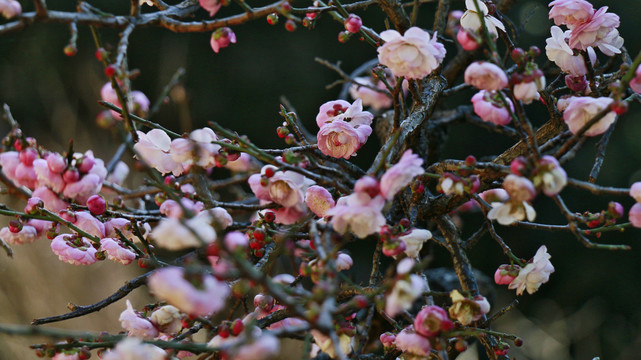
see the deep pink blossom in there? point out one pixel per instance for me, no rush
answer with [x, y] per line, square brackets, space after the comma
[212, 6]
[73, 249]
[413, 55]
[169, 284]
[467, 41]
[582, 109]
[412, 344]
[484, 75]
[341, 139]
[506, 273]
[401, 174]
[490, 108]
[431, 320]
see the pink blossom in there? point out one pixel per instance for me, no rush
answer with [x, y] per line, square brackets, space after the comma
[86, 222]
[558, 51]
[120, 224]
[583, 109]
[505, 274]
[353, 23]
[413, 55]
[484, 75]
[341, 110]
[97, 204]
[169, 284]
[468, 42]
[245, 163]
[221, 38]
[134, 349]
[359, 213]
[47, 177]
[470, 19]
[117, 251]
[405, 291]
[635, 215]
[368, 185]
[412, 344]
[288, 216]
[319, 200]
[197, 149]
[137, 325]
[212, 6]
[431, 320]
[343, 261]
[635, 83]
[73, 249]
[25, 175]
[56, 162]
[50, 199]
[82, 190]
[340, 139]
[236, 239]
[490, 108]
[414, 241]
[153, 147]
[137, 101]
[10, 8]
[263, 347]
[172, 234]
[9, 161]
[376, 99]
[26, 235]
[287, 188]
[387, 339]
[600, 31]
[172, 209]
[535, 273]
[635, 191]
[401, 174]
[517, 208]
[550, 176]
[570, 12]
[119, 174]
[529, 91]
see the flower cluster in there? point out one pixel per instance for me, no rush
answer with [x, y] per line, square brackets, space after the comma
[344, 128]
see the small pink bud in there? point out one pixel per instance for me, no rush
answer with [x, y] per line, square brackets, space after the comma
[518, 166]
[28, 156]
[71, 175]
[505, 274]
[85, 164]
[221, 38]
[615, 209]
[56, 163]
[344, 36]
[393, 248]
[353, 23]
[15, 226]
[467, 42]
[68, 215]
[387, 339]
[97, 205]
[33, 205]
[576, 83]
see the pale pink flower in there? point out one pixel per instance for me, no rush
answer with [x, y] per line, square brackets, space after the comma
[600, 31]
[521, 190]
[413, 55]
[405, 291]
[167, 319]
[220, 218]
[137, 101]
[288, 216]
[132, 348]
[73, 249]
[47, 177]
[264, 347]
[169, 284]
[529, 91]
[471, 21]
[635, 83]
[245, 163]
[635, 191]
[490, 108]
[341, 139]
[119, 174]
[173, 209]
[86, 222]
[376, 99]
[25, 175]
[10, 8]
[153, 147]
[287, 188]
[221, 38]
[197, 149]
[635, 215]
[342, 110]
[401, 174]
[236, 239]
[570, 12]
[431, 320]
[484, 75]
[343, 261]
[122, 225]
[172, 234]
[50, 199]
[212, 6]
[80, 191]
[506, 273]
[26, 235]
[466, 310]
[9, 161]
[56, 162]
[136, 325]
[319, 200]
[414, 241]
[412, 344]
[117, 251]
[582, 109]
[358, 213]
[558, 51]
[535, 273]
[550, 176]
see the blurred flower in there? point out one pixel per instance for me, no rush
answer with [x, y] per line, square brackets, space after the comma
[134, 349]
[413, 345]
[401, 174]
[582, 109]
[484, 75]
[137, 325]
[222, 37]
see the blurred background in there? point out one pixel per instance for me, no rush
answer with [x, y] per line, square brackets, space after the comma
[590, 306]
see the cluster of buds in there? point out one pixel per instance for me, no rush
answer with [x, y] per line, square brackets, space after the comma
[283, 132]
[390, 236]
[230, 328]
[546, 174]
[462, 181]
[353, 24]
[606, 217]
[528, 79]
[259, 237]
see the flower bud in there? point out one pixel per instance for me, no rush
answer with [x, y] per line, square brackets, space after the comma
[353, 23]
[221, 38]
